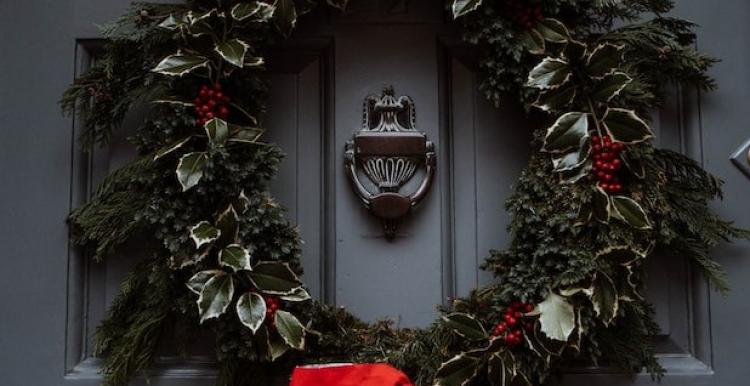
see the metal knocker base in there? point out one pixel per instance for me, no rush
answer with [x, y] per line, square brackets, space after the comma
[389, 155]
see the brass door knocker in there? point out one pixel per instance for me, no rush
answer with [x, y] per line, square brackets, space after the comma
[389, 154]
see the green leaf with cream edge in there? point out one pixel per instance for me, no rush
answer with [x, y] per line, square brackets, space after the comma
[217, 131]
[550, 73]
[233, 51]
[556, 317]
[180, 64]
[630, 212]
[215, 296]
[567, 133]
[235, 257]
[274, 278]
[462, 7]
[290, 329]
[196, 283]
[203, 233]
[625, 126]
[251, 309]
[458, 371]
[256, 10]
[190, 169]
[552, 30]
[605, 59]
[465, 325]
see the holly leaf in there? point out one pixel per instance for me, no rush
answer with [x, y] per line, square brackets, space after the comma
[298, 295]
[233, 51]
[179, 64]
[610, 86]
[276, 346]
[550, 73]
[573, 159]
[228, 223]
[602, 205]
[465, 325]
[556, 99]
[215, 297]
[462, 7]
[285, 16]
[458, 371]
[604, 60]
[533, 41]
[244, 134]
[217, 132]
[575, 51]
[274, 278]
[196, 283]
[625, 126]
[251, 309]
[256, 9]
[203, 233]
[604, 298]
[190, 169]
[170, 23]
[556, 317]
[567, 133]
[235, 257]
[290, 329]
[552, 30]
[171, 147]
[630, 212]
[498, 372]
[242, 203]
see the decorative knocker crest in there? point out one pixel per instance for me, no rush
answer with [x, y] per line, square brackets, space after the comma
[389, 155]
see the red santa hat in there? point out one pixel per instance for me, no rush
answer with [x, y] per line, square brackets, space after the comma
[347, 374]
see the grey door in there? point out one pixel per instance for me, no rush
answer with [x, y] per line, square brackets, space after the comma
[53, 298]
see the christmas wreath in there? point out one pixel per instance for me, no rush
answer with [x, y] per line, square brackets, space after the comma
[596, 200]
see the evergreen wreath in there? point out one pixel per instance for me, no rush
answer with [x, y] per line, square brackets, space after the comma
[596, 200]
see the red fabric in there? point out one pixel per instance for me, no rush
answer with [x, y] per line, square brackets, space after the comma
[349, 375]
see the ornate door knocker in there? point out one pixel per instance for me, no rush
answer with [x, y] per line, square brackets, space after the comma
[389, 155]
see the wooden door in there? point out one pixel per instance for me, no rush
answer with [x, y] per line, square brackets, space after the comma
[53, 298]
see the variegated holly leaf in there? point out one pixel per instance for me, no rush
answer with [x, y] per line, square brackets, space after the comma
[552, 30]
[217, 132]
[244, 134]
[458, 371]
[556, 317]
[575, 51]
[556, 99]
[567, 133]
[630, 212]
[574, 159]
[203, 233]
[290, 329]
[550, 73]
[533, 41]
[602, 205]
[215, 297]
[276, 346]
[171, 147]
[190, 169]
[465, 325]
[604, 297]
[235, 257]
[298, 295]
[603, 60]
[196, 283]
[274, 278]
[171, 23]
[228, 223]
[254, 9]
[620, 254]
[180, 64]
[610, 86]
[462, 7]
[241, 203]
[251, 309]
[233, 51]
[285, 16]
[499, 372]
[625, 126]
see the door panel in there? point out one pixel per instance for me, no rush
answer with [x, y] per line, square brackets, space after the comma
[315, 106]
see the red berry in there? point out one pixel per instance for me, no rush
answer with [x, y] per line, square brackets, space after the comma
[518, 314]
[528, 307]
[217, 86]
[509, 340]
[223, 112]
[596, 139]
[209, 115]
[596, 148]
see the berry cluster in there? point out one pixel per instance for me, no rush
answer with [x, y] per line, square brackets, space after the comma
[524, 13]
[211, 103]
[511, 326]
[607, 163]
[272, 305]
